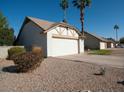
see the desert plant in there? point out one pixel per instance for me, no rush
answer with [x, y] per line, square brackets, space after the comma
[15, 51]
[28, 61]
[37, 50]
[101, 71]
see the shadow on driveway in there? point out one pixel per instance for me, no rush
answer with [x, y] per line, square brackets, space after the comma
[70, 60]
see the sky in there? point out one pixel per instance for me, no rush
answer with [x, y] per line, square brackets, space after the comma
[100, 17]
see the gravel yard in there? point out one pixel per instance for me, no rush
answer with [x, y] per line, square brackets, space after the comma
[56, 74]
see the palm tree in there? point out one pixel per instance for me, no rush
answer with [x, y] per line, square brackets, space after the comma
[116, 27]
[81, 4]
[64, 6]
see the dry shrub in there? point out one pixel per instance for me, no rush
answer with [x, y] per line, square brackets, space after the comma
[37, 50]
[28, 61]
[15, 51]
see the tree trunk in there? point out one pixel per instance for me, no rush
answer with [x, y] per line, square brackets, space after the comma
[116, 35]
[82, 20]
[65, 16]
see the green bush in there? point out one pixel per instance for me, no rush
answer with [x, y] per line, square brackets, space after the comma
[28, 61]
[15, 51]
[100, 52]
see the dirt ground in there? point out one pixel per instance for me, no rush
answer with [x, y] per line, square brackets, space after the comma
[61, 75]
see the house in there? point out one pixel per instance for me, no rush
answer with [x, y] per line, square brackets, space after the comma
[95, 42]
[56, 39]
[111, 43]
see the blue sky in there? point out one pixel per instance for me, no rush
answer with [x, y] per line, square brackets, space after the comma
[99, 18]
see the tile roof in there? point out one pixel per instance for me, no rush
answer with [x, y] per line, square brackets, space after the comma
[42, 23]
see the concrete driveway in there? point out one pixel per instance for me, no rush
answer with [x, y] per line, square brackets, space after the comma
[114, 60]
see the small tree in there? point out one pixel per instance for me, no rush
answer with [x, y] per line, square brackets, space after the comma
[122, 40]
[6, 33]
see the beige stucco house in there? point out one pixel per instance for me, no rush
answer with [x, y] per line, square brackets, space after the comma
[110, 44]
[96, 42]
[56, 39]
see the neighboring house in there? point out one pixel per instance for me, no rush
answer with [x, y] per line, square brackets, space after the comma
[96, 42]
[56, 39]
[110, 44]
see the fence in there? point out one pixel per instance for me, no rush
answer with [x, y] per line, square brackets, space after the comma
[4, 51]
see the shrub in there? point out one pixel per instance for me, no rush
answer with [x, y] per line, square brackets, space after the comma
[37, 50]
[28, 61]
[100, 52]
[15, 51]
[101, 71]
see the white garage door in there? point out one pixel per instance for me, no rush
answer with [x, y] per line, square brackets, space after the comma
[103, 45]
[61, 47]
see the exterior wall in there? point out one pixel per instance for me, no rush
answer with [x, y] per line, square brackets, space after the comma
[81, 45]
[61, 47]
[4, 51]
[91, 42]
[103, 45]
[109, 44]
[31, 36]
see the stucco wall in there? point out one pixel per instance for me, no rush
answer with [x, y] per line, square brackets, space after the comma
[31, 36]
[91, 42]
[81, 45]
[109, 44]
[4, 51]
[112, 45]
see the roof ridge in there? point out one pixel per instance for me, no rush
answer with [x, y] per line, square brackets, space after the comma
[42, 23]
[39, 19]
[46, 25]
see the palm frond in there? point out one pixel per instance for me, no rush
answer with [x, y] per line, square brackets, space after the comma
[81, 3]
[64, 4]
[116, 27]
[88, 2]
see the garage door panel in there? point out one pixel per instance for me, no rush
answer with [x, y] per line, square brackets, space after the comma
[103, 45]
[62, 47]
